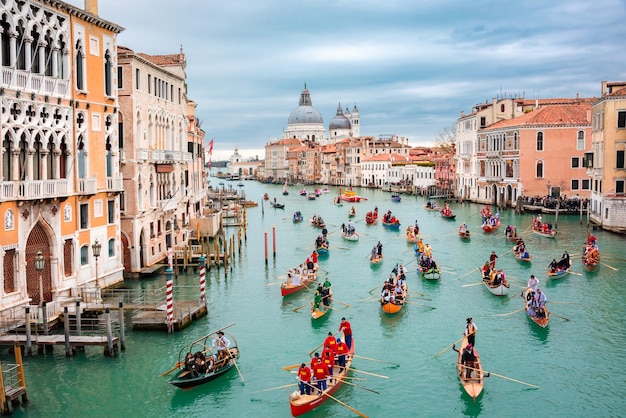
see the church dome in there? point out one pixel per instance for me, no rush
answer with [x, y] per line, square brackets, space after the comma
[339, 121]
[305, 112]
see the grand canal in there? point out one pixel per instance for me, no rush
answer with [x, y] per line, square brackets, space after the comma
[579, 364]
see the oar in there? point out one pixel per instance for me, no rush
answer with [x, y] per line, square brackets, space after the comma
[448, 347]
[358, 386]
[417, 293]
[511, 313]
[473, 284]
[419, 304]
[373, 359]
[180, 363]
[371, 374]
[611, 267]
[562, 317]
[293, 366]
[372, 289]
[470, 272]
[575, 273]
[277, 387]
[273, 284]
[340, 402]
[236, 366]
[316, 348]
[299, 307]
[503, 377]
[343, 303]
[512, 297]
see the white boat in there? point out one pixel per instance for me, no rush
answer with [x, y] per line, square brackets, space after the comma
[354, 236]
[501, 289]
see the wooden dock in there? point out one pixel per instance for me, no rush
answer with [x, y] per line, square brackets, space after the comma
[41, 341]
[185, 312]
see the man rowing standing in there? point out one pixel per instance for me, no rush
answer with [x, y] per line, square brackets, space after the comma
[222, 344]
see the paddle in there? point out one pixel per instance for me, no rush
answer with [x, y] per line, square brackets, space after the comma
[373, 359]
[277, 387]
[316, 348]
[470, 272]
[371, 374]
[511, 313]
[236, 366]
[562, 317]
[417, 293]
[293, 366]
[180, 363]
[273, 284]
[503, 377]
[372, 289]
[511, 297]
[419, 304]
[449, 347]
[358, 386]
[340, 402]
[611, 267]
[473, 284]
[343, 303]
[299, 307]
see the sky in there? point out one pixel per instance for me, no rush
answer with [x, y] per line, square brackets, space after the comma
[410, 66]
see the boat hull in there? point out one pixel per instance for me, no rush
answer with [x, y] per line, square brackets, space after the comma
[395, 225]
[472, 386]
[550, 234]
[352, 237]
[542, 322]
[391, 308]
[286, 290]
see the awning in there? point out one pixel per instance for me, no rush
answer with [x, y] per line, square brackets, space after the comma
[164, 168]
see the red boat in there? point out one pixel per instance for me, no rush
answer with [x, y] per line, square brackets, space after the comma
[371, 217]
[301, 404]
[488, 227]
[287, 288]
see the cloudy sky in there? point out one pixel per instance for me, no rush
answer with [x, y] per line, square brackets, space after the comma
[411, 66]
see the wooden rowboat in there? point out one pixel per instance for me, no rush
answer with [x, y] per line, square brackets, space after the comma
[392, 306]
[490, 228]
[430, 273]
[433, 207]
[499, 290]
[392, 225]
[287, 289]
[350, 237]
[322, 310]
[301, 404]
[591, 258]
[192, 373]
[473, 386]
[559, 272]
[519, 256]
[541, 321]
[464, 234]
[377, 259]
[371, 217]
[550, 234]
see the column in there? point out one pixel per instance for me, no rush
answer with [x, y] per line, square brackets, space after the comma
[28, 53]
[55, 62]
[44, 163]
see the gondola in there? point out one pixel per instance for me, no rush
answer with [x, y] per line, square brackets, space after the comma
[473, 385]
[301, 404]
[277, 205]
[194, 372]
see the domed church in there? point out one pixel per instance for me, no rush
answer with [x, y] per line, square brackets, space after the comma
[344, 125]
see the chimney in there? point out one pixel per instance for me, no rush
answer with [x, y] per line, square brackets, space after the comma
[91, 6]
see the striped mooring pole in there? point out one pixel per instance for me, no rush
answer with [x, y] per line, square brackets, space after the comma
[170, 299]
[202, 262]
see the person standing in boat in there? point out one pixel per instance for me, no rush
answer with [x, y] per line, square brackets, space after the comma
[346, 328]
[222, 344]
[320, 373]
[342, 352]
[492, 260]
[379, 249]
[564, 263]
[470, 331]
[327, 293]
[539, 301]
[553, 266]
[304, 378]
[331, 342]
[533, 282]
[328, 357]
[468, 359]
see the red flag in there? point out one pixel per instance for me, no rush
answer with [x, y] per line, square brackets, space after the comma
[211, 146]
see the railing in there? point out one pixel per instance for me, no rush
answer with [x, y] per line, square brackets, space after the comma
[142, 154]
[122, 156]
[33, 189]
[115, 184]
[87, 186]
[34, 83]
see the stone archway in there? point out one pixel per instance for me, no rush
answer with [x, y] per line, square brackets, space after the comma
[494, 195]
[125, 253]
[38, 240]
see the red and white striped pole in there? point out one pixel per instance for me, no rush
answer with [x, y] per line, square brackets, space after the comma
[202, 261]
[170, 256]
[170, 299]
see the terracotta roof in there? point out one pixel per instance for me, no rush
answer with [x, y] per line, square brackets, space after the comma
[386, 157]
[618, 92]
[556, 115]
[170, 59]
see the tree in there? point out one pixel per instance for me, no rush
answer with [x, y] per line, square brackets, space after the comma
[445, 140]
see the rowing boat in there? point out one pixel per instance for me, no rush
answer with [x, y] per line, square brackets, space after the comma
[302, 403]
[520, 257]
[550, 233]
[277, 205]
[371, 217]
[395, 197]
[488, 227]
[429, 273]
[431, 207]
[353, 236]
[287, 288]
[473, 385]
[203, 364]
[542, 321]
[321, 310]
[410, 234]
[559, 272]
[392, 305]
[500, 289]
[376, 259]
[395, 224]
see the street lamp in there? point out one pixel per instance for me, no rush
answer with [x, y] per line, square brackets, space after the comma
[96, 247]
[40, 264]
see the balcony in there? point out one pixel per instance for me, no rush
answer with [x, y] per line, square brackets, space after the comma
[493, 179]
[115, 184]
[28, 82]
[33, 189]
[87, 186]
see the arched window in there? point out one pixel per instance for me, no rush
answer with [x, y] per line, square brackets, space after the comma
[5, 43]
[49, 58]
[580, 143]
[109, 161]
[108, 68]
[34, 52]
[84, 255]
[63, 159]
[80, 69]
[539, 171]
[61, 65]
[22, 157]
[80, 147]
[112, 247]
[21, 47]
[539, 141]
[37, 174]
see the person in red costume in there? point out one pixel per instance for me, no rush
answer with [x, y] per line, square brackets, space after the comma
[346, 328]
[330, 340]
[328, 357]
[342, 351]
[320, 373]
[304, 376]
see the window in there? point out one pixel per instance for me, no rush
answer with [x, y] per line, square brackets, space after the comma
[137, 79]
[67, 257]
[539, 171]
[80, 69]
[120, 74]
[112, 247]
[84, 216]
[621, 119]
[108, 70]
[619, 159]
[539, 141]
[575, 162]
[98, 210]
[580, 143]
[149, 82]
[585, 184]
[111, 211]
[96, 122]
[84, 255]
[619, 186]
[575, 184]
[483, 122]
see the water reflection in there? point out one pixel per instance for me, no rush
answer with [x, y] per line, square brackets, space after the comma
[473, 407]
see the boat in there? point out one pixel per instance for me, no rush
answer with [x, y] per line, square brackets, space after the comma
[543, 229]
[473, 386]
[542, 321]
[352, 212]
[193, 370]
[429, 273]
[559, 271]
[229, 211]
[528, 258]
[322, 249]
[511, 233]
[464, 233]
[289, 288]
[337, 201]
[266, 196]
[591, 257]
[285, 191]
[301, 404]
[297, 217]
[240, 184]
[318, 192]
[317, 222]
[277, 205]
[485, 213]
[488, 226]
[410, 234]
[371, 217]
[395, 197]
[391, 305]
[500, 289]
[303, 192]
[311, 196]
[447, 213]
[321, 309]
[376, 259]
[353, 236]
[390, 221]
[431, 206]
[350, 196]
[325, 190]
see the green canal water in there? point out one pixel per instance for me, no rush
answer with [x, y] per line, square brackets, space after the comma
[579, 365]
